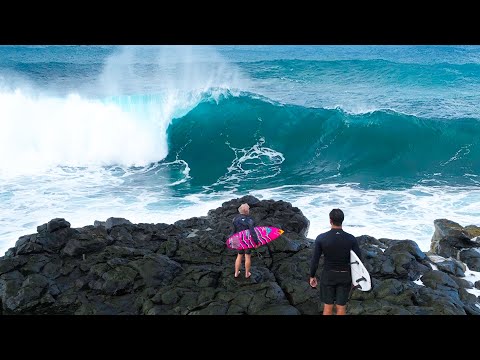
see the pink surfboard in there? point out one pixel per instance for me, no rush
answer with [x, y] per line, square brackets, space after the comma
[243, 239]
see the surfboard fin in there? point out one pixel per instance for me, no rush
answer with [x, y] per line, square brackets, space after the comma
[361, 279]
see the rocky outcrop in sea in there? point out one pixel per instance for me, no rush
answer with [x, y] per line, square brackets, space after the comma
[116, 267]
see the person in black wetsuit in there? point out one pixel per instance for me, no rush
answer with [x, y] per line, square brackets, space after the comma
[336, 280]
[243, 222]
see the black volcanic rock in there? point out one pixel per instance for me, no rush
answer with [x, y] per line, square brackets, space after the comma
[116, 267]
[450, 238]
[111, 222]
[471, 257]
[451, 266]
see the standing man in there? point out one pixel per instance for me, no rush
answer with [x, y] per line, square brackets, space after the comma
[336, 279]
[243, 222]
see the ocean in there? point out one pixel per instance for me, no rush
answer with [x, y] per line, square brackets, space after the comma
[389, 134]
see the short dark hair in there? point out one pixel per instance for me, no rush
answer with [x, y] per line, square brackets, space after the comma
[336, 215]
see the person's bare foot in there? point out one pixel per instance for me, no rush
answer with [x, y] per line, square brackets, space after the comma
[237, 273]
[247, 275]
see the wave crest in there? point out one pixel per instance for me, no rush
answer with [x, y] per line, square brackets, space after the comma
[320, 144]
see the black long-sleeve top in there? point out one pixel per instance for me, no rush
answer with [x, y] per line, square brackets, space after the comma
[335, 245]
[244, 222]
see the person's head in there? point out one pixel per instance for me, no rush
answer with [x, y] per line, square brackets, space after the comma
[336, 217]
[244, 209]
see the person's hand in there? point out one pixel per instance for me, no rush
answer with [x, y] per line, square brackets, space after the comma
[313, 282]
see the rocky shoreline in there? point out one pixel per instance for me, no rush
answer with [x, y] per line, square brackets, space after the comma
[116, 267]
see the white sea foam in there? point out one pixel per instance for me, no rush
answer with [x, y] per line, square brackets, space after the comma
[125, 125]
[82, 196]
[472, 276]
[394, 214]
[38, 133]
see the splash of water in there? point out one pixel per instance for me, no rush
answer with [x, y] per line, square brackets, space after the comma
[141, 89]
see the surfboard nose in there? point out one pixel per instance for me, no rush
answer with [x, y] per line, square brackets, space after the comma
[281, 231]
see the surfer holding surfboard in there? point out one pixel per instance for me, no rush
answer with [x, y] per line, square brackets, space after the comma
[336, 278]
[243, 221]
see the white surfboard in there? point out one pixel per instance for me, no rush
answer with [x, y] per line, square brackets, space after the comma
[360, 276]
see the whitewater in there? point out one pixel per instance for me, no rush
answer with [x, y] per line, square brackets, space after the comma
[161, 133]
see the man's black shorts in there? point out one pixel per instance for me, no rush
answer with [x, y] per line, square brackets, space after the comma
[246, 251]
[335, 287]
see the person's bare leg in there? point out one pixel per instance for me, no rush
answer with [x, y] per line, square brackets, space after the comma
[238, 263]
[247, 265]
[341, 309]
[327, 309]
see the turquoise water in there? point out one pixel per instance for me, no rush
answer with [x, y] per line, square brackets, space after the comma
[160, 133]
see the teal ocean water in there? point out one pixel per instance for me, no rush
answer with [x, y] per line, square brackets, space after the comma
[390, 134]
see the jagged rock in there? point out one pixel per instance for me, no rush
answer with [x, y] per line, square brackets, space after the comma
[28, 295]
[401, 259]
[438, 280]
[462, 283]
[34, 263]
[51, 236]
[444, 228]
[279, 310]
[10, 284]
[119, 280]
[117, 267]
[56, 224]
[449, 238]
[472, 309]
[113, 221]
[98, 223]
[76, 247]
[156, 270]
[472, 231]
[9, 264]
[10, 253]
[471, 257]
[452, 266]
[408, 246]
[466, 297]
[27, 245]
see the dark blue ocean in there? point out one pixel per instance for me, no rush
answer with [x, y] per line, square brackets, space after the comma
[389, 134]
